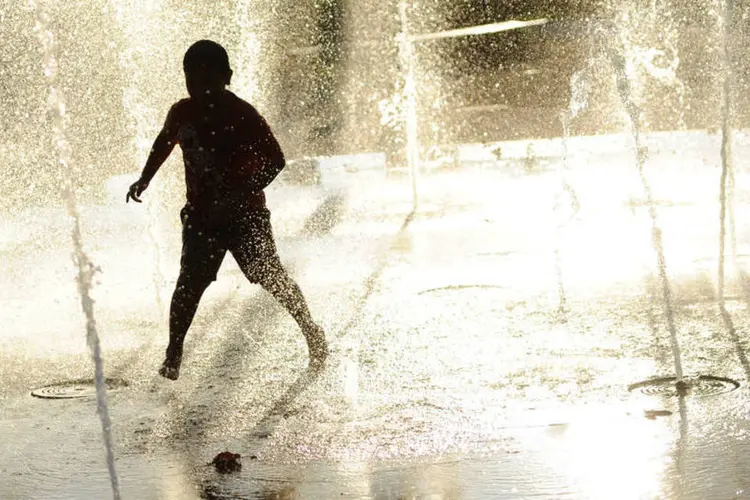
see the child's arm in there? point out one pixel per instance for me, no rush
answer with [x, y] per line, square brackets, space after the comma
[160, 151]
[266, 154]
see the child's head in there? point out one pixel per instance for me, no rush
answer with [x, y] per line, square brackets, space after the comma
[207, 70]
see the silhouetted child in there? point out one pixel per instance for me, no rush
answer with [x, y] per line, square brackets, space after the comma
[230, 157]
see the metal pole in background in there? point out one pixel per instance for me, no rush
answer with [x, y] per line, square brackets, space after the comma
[408, 60]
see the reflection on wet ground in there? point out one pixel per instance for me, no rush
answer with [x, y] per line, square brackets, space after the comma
[456, 373]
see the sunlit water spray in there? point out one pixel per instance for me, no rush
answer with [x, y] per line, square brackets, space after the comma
[578, 102]
[86, 269]
[130, 17]
[407, 55]
[634, 113]
[651, 38]
[247, 77]
[726, 187]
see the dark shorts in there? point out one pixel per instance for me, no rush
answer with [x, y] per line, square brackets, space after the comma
[248, 237]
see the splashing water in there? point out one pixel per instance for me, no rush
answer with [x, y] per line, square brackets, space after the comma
[578, 102]
[619, 65]
[130, 17]
[86, 269]
[412, 138]
[726, 187]
[158, 275]
[247, 77]
[650, 37]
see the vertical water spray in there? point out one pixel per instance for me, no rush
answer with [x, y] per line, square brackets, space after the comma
[85, 268]
[726, 186]
[130, 18]
[652, 42]
[634, 113]
[562, 305]
[578, 102]
[668, 73]
[407, 55]
[158, 275]
[246, 78]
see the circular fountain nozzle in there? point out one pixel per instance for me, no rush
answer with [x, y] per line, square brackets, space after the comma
[73, 389]
[669, 387]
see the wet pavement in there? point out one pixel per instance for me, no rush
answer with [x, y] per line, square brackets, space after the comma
[484, 346]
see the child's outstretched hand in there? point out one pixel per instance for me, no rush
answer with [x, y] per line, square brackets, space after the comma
[135, 190]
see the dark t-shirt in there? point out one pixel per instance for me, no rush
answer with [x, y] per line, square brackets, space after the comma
[225, 145]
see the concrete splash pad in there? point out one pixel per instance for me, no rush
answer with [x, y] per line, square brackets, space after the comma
[469, 391]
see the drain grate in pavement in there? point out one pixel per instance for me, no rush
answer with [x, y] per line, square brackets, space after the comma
[76, 389]
[704, 385]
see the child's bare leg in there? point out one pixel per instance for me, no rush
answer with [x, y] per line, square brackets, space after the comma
[284, 289]
[185, 300]
[202, 255]
[276, 281]
[255, 253]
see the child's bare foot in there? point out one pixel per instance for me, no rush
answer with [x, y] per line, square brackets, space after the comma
[170, 368]
[170, 372]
